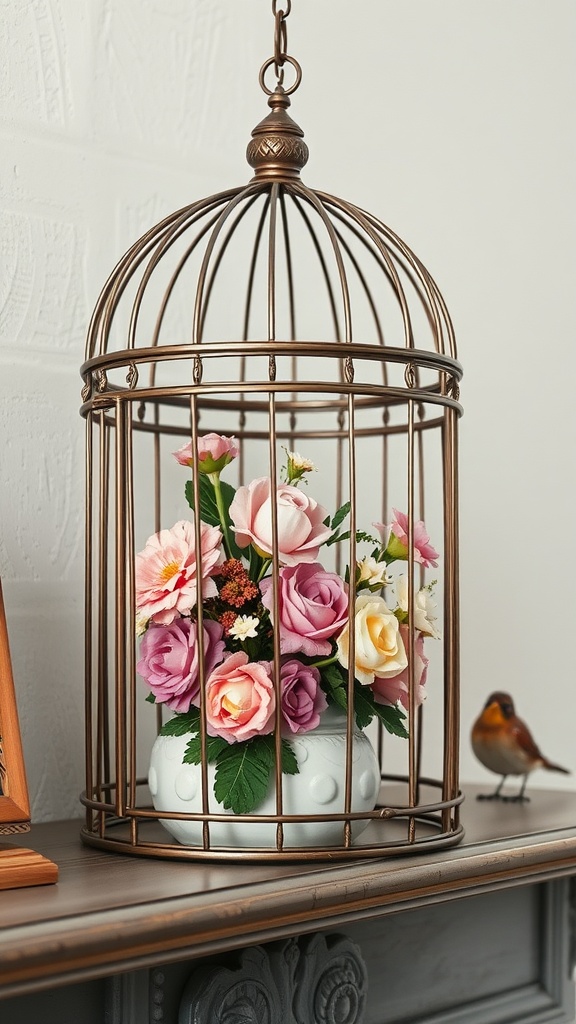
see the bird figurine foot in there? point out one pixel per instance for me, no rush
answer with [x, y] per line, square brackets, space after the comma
[503, 743]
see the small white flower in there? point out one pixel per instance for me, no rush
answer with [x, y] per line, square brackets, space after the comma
[424, 607]
[244, 626]
[300, 464]
[373, 573]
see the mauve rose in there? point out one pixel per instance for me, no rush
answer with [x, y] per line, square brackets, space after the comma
[240, 699]
[303, 700]
[396, 688]
[313, 607]
[169, 660]
[301, 529]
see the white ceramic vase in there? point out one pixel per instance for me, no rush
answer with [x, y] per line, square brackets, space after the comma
[318, 789]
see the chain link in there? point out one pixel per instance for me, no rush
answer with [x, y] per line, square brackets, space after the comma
[283, 14]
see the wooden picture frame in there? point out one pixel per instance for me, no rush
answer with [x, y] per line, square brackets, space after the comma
[18, 866]
[14, 801]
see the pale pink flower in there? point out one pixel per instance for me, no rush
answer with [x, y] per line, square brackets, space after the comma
[395, 537]
[301, 529]
[240, 699]
[169, 660]
[396, 688]
[214, 452]
[167, 571]
[313, 606]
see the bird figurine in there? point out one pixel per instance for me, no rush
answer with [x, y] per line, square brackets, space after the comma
[503, 743]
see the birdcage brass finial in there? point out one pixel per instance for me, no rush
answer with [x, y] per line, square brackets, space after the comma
[277, 149]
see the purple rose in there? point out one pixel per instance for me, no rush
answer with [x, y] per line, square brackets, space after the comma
[169, 660]
[302, 697]
[313, 607]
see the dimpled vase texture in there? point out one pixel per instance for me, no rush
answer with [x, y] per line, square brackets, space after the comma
[318, 789]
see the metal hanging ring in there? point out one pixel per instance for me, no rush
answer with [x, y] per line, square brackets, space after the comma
[272, 61]
[283, 14]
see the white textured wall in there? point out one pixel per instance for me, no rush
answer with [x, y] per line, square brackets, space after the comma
[458, 128]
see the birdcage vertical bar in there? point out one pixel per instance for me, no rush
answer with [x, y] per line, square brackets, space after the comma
[412, 704]
[350, 710]
[120, 609]
[88, 630]
[271, 278]
[131, 623]
[197, 375]
[451, 612]
[103, 764]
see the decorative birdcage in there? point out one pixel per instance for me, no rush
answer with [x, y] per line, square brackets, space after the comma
[305, 337]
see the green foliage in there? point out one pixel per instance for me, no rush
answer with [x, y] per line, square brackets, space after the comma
[392, 719]
[340, 515]
[151, 698]
[209, 508]
[360, 536]
[244, 772]
[215, 745]
[182, 724]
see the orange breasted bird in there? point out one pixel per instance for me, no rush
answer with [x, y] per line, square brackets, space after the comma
[503, 743]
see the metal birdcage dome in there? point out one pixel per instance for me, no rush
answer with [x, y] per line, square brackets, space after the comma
[291, 319]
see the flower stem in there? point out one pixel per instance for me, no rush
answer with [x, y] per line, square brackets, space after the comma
[264, 569]
[325, 661]
[215, 481]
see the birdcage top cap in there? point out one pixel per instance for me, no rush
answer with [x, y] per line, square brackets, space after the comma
[277, 149]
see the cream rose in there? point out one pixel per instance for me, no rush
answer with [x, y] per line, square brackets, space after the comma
[424, 607]
[379, 648]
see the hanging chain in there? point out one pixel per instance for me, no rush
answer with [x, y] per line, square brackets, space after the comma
[281, 56]
[280, 40]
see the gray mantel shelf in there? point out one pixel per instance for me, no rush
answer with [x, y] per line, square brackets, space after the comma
[111, 913]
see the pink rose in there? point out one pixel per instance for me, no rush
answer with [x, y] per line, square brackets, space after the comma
[302, 697]
[166, 571]
[396, 688]
[214, 452]
[313, 606]
[240, 699]
[300, 521]
[395, 537]
[169, 660]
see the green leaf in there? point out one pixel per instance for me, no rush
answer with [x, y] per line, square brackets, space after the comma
[360, 536]
[334, 675]
[364, 705]
[339, 697]
[151, 698]
[340, 515]
[392, 719]
[181, 724]
[209, 509]
[242, 777]
[215, 746]
[289, 762]
[244, 772]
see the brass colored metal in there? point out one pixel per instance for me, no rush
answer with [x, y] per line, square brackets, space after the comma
[287, 317]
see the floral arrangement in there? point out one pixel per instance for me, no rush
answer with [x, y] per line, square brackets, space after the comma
[232, 580]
